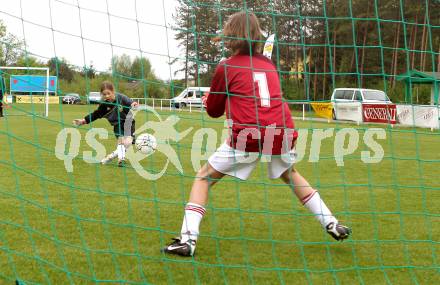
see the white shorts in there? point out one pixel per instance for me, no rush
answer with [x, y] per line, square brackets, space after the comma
[240, 164]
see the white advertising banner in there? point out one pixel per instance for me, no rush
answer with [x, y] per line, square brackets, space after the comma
[350, 111]
[418, 116]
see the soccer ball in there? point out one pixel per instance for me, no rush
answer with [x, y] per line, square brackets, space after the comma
[146, 143]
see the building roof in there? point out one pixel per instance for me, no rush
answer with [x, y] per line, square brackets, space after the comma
[421, 77]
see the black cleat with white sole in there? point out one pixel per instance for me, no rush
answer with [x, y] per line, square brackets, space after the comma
[121, 163]
[338, 231]
[179, 248]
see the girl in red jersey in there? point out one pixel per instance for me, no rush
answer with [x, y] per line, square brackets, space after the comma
[246, 86]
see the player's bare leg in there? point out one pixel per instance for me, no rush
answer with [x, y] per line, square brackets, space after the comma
[301, 186]
[206, 177]
[311, 199]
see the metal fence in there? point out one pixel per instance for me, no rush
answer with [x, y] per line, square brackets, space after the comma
[167, 104]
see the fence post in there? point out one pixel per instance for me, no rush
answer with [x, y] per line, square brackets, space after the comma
[161, 104]
[304, 108]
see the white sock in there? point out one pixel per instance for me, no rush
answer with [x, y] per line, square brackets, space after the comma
[121, 151]
[114, 154]
[314, 203]
[191, 222]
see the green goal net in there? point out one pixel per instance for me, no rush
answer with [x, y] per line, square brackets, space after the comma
[67, 219]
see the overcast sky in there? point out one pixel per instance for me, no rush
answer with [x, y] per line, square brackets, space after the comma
[96, 31]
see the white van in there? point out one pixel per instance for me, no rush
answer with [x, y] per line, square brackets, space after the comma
[347, 102]
[190, 97]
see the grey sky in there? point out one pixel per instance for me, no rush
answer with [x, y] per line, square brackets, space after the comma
[96, 31]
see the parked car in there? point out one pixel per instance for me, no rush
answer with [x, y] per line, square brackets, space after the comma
[71, 98]
[191, 96]
[348, 100]
[94, 97]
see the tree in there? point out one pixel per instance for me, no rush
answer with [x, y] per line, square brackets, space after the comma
[121, 65]
[141, 68]
[88, 71]
[28, 61]
[138, 69]
[136, 78]
[61, 68]
[11, 48]
[195, 29]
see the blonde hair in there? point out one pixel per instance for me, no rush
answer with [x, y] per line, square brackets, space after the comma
[243, 33]
[107, 85]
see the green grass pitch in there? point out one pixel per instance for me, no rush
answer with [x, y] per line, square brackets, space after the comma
[104, 224]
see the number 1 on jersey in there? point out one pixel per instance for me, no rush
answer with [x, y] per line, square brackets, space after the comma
[261, 79]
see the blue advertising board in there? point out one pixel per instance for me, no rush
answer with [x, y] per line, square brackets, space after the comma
[32, 83]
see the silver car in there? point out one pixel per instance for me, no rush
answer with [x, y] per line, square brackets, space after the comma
[71, 98]
[94, 97]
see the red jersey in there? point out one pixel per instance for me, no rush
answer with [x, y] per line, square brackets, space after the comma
[248, 90]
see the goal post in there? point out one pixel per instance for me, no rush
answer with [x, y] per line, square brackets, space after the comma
[30, 83]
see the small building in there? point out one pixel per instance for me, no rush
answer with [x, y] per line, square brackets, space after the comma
[413, 77]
